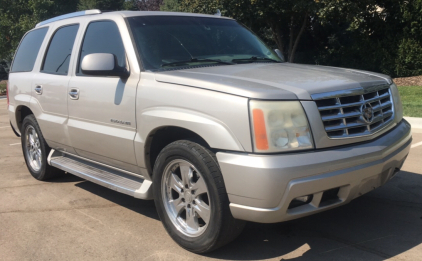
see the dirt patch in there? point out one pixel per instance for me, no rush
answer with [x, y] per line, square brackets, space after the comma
[409, 81]
[3, 82]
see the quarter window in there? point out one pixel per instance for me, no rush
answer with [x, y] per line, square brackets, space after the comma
[103, 37]
[58, 55]
[28, 50]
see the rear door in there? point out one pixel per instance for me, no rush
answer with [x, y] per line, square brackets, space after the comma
[50, 87]
[102, 123]
[22, 72]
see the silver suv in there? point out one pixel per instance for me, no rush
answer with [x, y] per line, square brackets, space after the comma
[197, 113]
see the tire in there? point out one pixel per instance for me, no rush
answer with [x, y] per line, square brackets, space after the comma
[32, 140]
[203, 231]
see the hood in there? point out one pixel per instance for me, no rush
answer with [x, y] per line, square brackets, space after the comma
[285, 81]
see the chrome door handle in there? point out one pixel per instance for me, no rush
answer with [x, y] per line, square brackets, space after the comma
[38, 90]
[74, 93]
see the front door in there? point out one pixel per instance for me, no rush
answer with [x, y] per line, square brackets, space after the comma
[102, 123]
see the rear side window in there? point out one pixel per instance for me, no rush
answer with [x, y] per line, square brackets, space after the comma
[59, 51]
[28, 50]
[103, 37]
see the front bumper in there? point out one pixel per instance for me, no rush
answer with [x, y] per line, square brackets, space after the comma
[261, 187]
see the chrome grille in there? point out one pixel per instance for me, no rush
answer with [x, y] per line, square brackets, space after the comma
[342, 111]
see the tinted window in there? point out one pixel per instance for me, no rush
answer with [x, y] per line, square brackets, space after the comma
[58, 55]
[175, 40]
[28, 50]
[103, 37]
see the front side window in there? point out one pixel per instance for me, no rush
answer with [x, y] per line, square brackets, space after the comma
[58, 55]
[103, 37]
[166, 42]
[28, 51]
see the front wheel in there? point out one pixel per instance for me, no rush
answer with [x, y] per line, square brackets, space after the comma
[191, 198]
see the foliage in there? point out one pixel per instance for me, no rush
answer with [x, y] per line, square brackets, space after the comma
[376, 35]
[200, 6]
[149, 5]
[411, 97]
[19, 16]
[3, 87]
[170, 6]
[101, 4]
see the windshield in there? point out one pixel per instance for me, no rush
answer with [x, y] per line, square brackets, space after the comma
[168, 42]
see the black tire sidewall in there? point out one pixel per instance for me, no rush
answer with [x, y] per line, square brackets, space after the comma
[208, 239]
[31, 121]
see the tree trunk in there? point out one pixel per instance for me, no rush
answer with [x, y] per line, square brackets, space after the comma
[302, 29]
[277, 35]
[291, 38]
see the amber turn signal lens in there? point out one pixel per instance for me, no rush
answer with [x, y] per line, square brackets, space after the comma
[260, 131]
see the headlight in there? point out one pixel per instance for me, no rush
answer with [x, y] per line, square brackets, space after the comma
[398, 106]
[279, 126]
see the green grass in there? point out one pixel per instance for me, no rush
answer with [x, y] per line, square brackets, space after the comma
[411, 97]
[2, 88]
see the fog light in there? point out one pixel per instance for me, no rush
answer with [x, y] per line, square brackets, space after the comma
[303, 198]
[300, 201]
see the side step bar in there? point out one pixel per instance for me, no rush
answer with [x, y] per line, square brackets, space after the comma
[101, 175]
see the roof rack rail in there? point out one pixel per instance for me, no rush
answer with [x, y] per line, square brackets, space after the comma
[70, 15]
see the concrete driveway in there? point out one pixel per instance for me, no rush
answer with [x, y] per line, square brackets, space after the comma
[72, 219]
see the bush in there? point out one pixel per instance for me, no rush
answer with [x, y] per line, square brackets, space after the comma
[409, 58]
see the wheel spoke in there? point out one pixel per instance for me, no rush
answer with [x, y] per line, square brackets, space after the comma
[203, 211]
[199, 186]
[32, 154]
[31, 139]
[176, 183]
[191, 219]
[186, 173]
[178, 204]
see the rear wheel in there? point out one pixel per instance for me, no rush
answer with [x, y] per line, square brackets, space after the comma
[191, 199]
[36, 150]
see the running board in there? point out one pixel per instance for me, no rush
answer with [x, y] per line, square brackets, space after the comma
[101, 175]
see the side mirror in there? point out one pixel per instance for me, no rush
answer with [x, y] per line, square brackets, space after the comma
[104, 64]
[280, 54]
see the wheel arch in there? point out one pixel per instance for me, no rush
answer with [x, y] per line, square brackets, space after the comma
[21, 112]
[162, 136]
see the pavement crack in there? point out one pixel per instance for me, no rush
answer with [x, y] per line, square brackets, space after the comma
[28, 185]
[57, 209]
[91, 217]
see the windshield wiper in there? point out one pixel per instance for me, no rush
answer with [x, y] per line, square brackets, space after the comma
[255, 59]
[194, 60]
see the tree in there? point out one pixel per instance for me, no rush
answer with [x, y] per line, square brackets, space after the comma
[111, 5]
[19, 16]
[170, 6]
[149, 5]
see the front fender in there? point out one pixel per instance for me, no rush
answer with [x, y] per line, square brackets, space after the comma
[212, 130]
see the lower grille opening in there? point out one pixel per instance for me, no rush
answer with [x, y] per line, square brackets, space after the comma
[329, 197]
[297, 203]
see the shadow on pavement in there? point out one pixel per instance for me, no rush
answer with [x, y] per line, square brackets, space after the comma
[143, 207]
